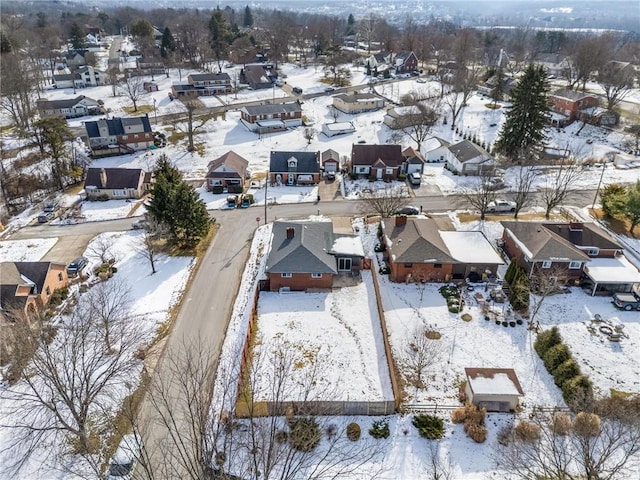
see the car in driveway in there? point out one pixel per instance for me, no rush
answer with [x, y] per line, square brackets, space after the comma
[627, 301]
[297, 90]
[76, 266]
[329, 90]
[139, 224]
[407, 210]
[492, 184]
[50, 207]
[45, 217]
[501, 206]
[124, 460]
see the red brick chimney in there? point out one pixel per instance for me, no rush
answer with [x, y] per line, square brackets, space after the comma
[401, 220]
[291, 232]
[103, 178]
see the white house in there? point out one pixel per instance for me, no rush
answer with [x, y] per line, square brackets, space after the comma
[467, 158]
[496, 389]
[434, 149]
[338, 128]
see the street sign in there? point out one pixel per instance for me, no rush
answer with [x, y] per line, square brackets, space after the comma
[258, 219]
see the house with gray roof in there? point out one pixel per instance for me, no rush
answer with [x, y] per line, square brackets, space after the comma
[114, 183]
[69, 107]
[228, 171]
[271, 117]
[566, 105]
[117, 136]
[467, 158]
[26, 285]
[379, 162]
[571, 252]
[203, 84]
[352, 103]
[422, 249]
[258, 76]
[294, 168]
[307, 255]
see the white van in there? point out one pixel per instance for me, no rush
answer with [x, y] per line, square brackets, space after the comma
[124, 460]
[415, 178]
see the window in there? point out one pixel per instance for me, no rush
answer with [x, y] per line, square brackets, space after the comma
[286, 275]
[546, 264]
[574, 265]
[60, 277]
[344, 264]
[592, 252]
[48, 291]
[389, 171]
[408, 265]
[119, 193]
[437, 265]
[316, 275]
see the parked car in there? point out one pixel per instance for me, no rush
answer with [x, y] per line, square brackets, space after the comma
[45, 217]
[76, 266]
[329, 89]
[415, 178]
[139, 224]
[495, 183]
[125, 458]
[421, 80]
[408, 210]
[501, 206]
[331, 176]
[627, 301]
[50, 207]
[297, 90]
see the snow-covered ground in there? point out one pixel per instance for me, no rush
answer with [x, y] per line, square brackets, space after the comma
[31, 250]
[336, 334]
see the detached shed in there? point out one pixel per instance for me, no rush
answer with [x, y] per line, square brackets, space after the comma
[496, 389]
[338, 128]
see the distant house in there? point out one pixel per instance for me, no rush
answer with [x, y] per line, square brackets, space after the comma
[467, 158]
[488, 87]
[203, 84]
[307, 255]
[67, 80]
[553, 63]
[434, 149]
[28, 286]
[75, 58]
[116, 136]
[227, 172]
[69, 108]
[150, 87]
[90, 76]
[151, 66]
[573, 251]
[294, 168]
[402, 117]
[330, 161]
[114, 183]
[413, 161]
[271, 118]
[567, 104]
[597, 116]
[495, 389]
[353, 103]
[380, 162]
[259, 76]
[421, 249]
[405, 61]
[337, 128]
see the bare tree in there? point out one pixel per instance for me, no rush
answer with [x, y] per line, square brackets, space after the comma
[440, 469]
[384, 203]
[481, 194]
[20, 88]
[523, 187]
[113, 77]
[459, 96]
[335, 113]
[100, 248]
[149, 249]
[193, 124]
[616, 79]
[543, 283]
[419, 121]
[559, 184]
[420, 355]
[367, 29]
[589, 55]
[133, 87]
[309, 134]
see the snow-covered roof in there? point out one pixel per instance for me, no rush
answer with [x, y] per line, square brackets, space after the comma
[347, 245]
[470, 247]
[612, 270]
[493, 381]
[433, 143]
[339, 126]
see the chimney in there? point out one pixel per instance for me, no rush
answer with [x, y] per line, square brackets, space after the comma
[291, 232]
[103, 178]
[401, 220]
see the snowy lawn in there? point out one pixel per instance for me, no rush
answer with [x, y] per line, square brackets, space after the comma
[277, 195]
[355, 188]
[111, 209]
[31, 250]
[336, 333]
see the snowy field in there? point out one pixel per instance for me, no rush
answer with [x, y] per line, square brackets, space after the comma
[337, 334]
[31, 250]
[112, 209]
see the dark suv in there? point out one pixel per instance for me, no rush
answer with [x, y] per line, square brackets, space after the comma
[626, 301]
[75, 267]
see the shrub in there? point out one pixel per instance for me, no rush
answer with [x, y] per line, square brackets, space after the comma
[353, 431]
[527, 432]
[546, 340]
[380, 247]
[429, 426]
[560, 423]
[458, 415]
[402, 177]
[216, 189]
[577, 390]
[555, 356]
[102, 198]
[477, 433]
[281, 436]
[304, 434]
[380, 429]
[587, 424]
[474, 414]
[384, 270]
[566, 371]
[454, 308]
[331, 430]
[504, 434]
[58, 295]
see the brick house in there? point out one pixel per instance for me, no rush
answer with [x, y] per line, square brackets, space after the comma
[380, 162]
[116, 136]
[271, 118]
[567, 104]
[229, 170]
[405, 61]
[294, 168]
[69, 107]
[307, 255]
[421, 249]
[203, 84]
[114, 183]
[29, 285]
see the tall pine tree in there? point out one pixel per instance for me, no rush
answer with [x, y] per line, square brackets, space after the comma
[248, 17]
[77, 37]
[168, 43]
[528, 116]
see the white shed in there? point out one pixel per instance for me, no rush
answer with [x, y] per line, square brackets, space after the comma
[496, 389]
[434, 149]
[338, 128]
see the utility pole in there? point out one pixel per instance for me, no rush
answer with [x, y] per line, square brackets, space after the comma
[266, 196]
[595, 197]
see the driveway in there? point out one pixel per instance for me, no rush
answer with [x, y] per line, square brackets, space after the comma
[67, 248]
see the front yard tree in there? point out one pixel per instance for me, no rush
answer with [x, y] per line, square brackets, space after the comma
[193, 124]
[191, 222]
[481, 193]
[133, 87]
[616, 80]
[527, 117]
[523, 187]
[384, 203]
[559, 184]
[52, 134]
[424, 114]
[309, 133]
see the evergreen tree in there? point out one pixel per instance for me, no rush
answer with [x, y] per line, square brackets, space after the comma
[77, 36]
[248, 17]
[168, 43]
[351, 25]
[526, 119]
[191, 221]
[497, 92]
[5, 43]
[220, 35]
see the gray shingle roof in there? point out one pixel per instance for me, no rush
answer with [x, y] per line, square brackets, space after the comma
[271, 109]
[571, 94]
[306, 252]
[418, 241]
[231, 160]
[116, 178]
[308, 162]
[205, 77]
[542, 243]
[391, 155]
[466, 150]
[64, 103]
